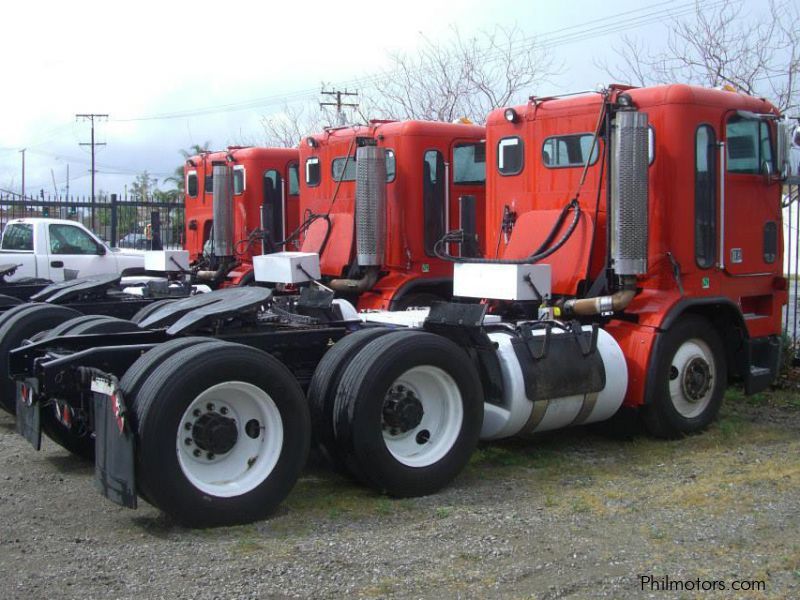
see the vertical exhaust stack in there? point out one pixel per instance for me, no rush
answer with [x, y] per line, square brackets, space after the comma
[370, 214]
[629, 194]
[223, 210]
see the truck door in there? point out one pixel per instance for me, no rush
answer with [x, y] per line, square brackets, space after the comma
[71, 247]
[273, 206]
[749, 211]
[468, 160]
[291, 205]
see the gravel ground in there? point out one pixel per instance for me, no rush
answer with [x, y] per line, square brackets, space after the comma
[572, 515]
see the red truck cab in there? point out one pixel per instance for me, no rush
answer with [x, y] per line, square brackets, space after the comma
[714, 247]
[429, 168]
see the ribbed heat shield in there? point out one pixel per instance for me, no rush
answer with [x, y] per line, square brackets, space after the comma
[629, 196]
[223, 210]
[370, 205]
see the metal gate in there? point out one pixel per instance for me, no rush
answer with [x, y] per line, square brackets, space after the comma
[142, 223]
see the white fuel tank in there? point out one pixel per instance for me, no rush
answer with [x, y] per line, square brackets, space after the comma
[519, 415]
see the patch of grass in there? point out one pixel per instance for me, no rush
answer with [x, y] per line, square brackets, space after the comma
[442, 512]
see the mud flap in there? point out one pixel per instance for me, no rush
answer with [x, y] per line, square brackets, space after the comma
[29, 420]
[114, 445]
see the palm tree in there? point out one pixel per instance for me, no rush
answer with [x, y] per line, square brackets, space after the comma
[177, 178]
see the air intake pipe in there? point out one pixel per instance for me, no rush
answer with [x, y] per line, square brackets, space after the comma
[222, 202]
[370, 219]
[616, 302]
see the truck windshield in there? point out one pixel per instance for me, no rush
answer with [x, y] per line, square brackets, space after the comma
[18, 236]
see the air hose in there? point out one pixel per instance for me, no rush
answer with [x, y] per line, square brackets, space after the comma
[544, 250]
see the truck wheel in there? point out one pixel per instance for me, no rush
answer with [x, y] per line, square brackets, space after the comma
[690, 380]
[77, 438]
[408, 413]
[223, 433]
[148, 310]
[20, 323]
[322, 391]
[139, 371]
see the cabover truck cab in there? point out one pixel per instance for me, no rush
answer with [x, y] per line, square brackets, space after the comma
[44, 248]
[434, 174]
[258, 206]
[689, 283]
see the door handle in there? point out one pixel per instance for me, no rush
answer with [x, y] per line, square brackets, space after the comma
[56, 264]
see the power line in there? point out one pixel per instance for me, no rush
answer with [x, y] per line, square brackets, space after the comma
[574, 33]
[91, 117]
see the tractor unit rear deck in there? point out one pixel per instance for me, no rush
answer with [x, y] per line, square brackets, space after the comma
[633, 258]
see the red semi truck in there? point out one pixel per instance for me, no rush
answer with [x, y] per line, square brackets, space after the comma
[689, 283]
[434, 182]
[260, 191]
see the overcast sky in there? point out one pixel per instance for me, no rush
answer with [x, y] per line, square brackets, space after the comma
[142, 59]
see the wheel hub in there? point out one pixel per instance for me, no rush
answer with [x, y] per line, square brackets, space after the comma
[696, 379]
[402, 410]
[215, 433]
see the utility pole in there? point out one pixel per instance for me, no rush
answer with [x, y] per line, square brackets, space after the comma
[339, 104]
[67, 181]
[91, 117]
[23, 172]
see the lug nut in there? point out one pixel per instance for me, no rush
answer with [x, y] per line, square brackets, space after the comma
[197, 452]
[223, 410]
[210, 456]
[196, 412]
[210, 407]
[188, 426]
[188, 441]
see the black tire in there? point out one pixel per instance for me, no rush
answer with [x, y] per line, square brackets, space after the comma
[20, 323]
[674, 415]
[359, 413]
[6, 301]
[322, 391]
[139, 371]
[160, 407]
[415, 299]
[148, 310]
[77, 439]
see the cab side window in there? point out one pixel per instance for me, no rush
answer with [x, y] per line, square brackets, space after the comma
[18, 236]
[749, 145]
[469, 164]
[313, 171]
[510, 156]
[191, 184]
[294, 179]
[68, 239]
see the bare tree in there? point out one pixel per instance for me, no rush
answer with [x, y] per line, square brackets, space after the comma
[286, 128]
[756, 54]
[462, 77]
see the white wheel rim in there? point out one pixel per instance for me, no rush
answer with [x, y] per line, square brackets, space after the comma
[692, 378]
[251, 459]
[443, 414]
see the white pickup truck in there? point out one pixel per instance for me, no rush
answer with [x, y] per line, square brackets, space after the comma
[46, 247]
